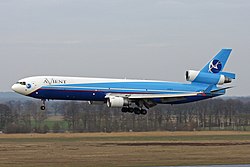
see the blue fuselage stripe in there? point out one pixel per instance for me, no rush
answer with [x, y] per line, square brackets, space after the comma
[98, 91]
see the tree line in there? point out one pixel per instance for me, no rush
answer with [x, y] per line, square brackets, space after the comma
[214, 114]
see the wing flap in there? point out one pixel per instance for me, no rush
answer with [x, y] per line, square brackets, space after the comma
[217, 90]
[152, 96]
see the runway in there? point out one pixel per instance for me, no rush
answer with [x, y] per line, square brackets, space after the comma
[247, 165]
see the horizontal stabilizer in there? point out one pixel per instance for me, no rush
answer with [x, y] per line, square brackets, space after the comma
[217, 90]
[228, 74]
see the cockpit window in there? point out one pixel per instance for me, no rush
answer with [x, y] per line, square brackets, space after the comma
[21, 83]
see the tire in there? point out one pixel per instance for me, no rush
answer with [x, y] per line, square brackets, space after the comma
[144, 112]
[42, 107]
[124, 110]
[137, 111]
[130, 110]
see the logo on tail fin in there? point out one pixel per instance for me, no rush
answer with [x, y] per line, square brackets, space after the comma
[215, 66]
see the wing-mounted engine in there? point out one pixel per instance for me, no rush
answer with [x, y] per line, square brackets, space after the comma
[209, 78]
[123, 101]
[114, 101]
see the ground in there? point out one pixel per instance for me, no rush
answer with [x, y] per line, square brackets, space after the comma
[125, 149]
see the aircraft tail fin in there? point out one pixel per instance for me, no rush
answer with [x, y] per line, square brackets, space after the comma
[212, 72]
[219, 61]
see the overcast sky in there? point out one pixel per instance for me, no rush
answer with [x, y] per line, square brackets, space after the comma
[142, 39]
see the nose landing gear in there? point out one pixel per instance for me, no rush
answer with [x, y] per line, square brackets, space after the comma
[43, 105]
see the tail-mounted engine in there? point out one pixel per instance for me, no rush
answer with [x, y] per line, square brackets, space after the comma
[209, 78]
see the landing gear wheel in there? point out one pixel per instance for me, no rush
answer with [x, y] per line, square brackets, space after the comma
[124, 110]
[143, 111]
[130, 110]
[43, 104]
[137, 111]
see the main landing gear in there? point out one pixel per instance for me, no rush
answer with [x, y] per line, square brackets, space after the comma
[43, 105]
[135, 110]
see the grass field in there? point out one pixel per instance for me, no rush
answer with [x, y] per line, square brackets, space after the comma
[125, 149]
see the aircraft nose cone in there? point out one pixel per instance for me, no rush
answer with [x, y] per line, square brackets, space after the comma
[14, 87]
[18, 89]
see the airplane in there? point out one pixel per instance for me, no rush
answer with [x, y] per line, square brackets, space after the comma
[134, 96]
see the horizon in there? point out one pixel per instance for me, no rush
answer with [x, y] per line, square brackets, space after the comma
[157, 40]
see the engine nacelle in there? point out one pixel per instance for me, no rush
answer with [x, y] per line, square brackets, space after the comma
[208, 78]
[114, 101]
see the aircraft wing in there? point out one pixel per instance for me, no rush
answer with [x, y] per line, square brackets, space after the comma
[148, 98]
[152, 96]
[217, 90]
[155, 96]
